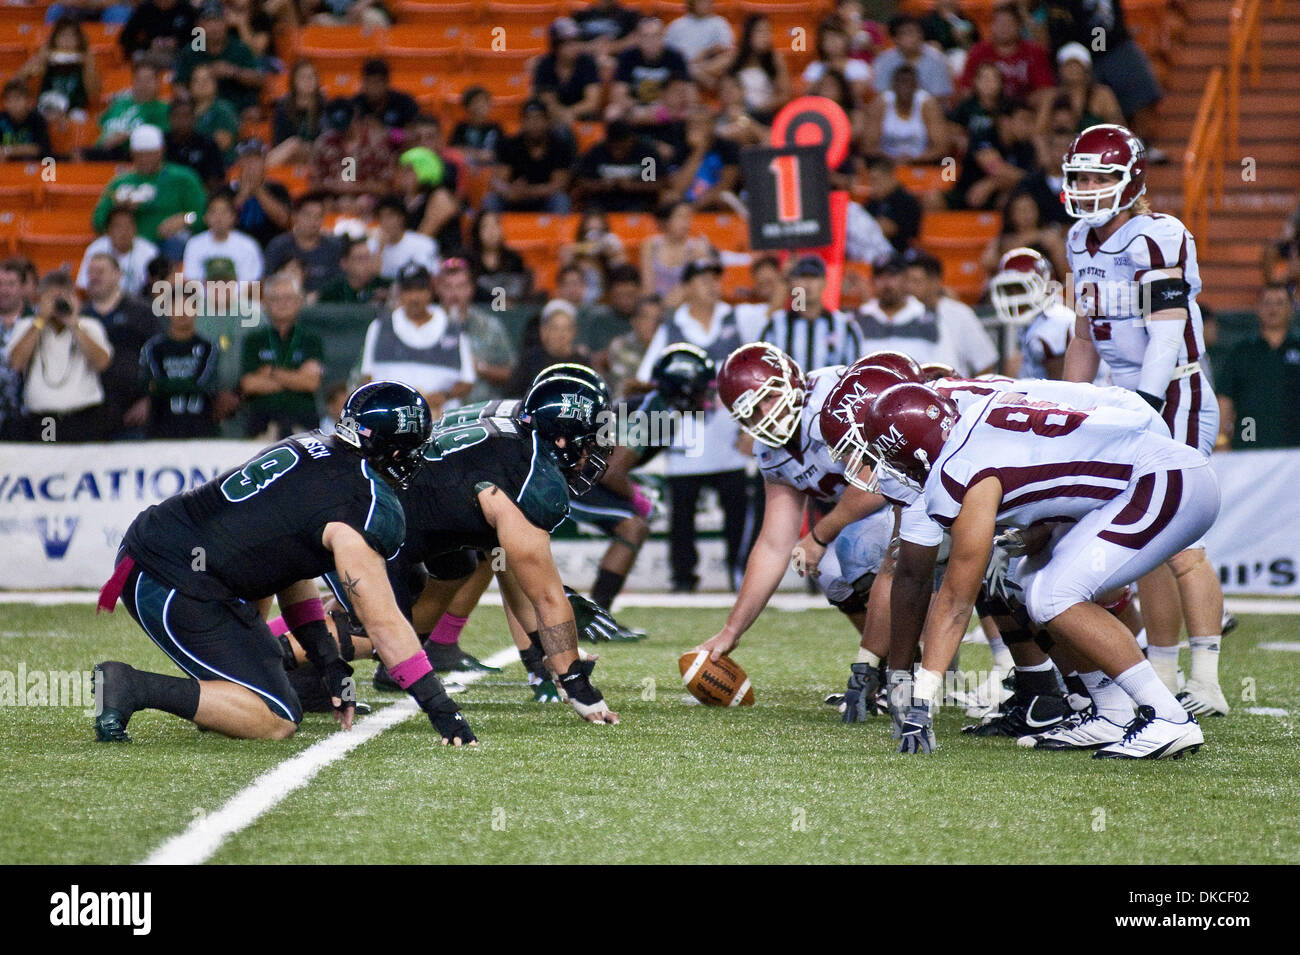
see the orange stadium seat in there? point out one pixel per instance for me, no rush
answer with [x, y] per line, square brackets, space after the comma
[532, 227]
[500, 40]
[21, 194]
[633, 227]
[339, 47]
[919, 179]
[726, 231]
[294, 178]
[72, 198]
[51, 251]
[412, 12]
[13, 56]
[735, 279]
[522, 15]
[959, 229]
[86, 173]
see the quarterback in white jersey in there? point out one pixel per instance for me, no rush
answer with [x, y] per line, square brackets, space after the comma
[772, 400]
[1136, 280]
[1122, 498]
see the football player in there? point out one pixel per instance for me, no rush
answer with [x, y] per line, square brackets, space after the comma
[499, 474]
[1121, 498]
[1135, 281]
[773, 402]
[1024, 297]
[192, 569]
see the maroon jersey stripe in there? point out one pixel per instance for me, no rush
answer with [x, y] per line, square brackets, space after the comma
[1137, 507]
[1012, 479]
[1097, 491]
[1136, 541]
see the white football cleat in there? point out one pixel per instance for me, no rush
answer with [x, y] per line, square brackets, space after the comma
[1150, 737]
[1084, 731]
[1200, 699]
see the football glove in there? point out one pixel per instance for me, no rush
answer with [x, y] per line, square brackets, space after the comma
[452, 727]
[997, 581]
[918, 731]
[900, 698]
[595, 623]
[860, 694]
[575, 688]
[337, 677]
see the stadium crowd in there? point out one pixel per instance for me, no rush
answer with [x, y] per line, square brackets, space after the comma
[399, 234]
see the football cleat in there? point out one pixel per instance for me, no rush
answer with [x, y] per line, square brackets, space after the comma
[1202, 700]
[450, 658]
[1081, 731]
[544, 691]
[1229, 623]
[113, 702]
[383, 680]
[1023, 717]
[1149, 737]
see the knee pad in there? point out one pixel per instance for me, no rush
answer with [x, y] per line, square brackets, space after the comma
[856, 601]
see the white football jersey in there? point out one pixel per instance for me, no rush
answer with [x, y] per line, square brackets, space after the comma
[811, 469]
[1055, 463]
[1108, 289]
[968, 392]
[1044, 338]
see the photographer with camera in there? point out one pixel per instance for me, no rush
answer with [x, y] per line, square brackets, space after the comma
[61, 356]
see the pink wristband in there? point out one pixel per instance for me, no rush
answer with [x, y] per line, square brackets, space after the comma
[278, 627]
[304, 612]
[640, 503]
[410, 670]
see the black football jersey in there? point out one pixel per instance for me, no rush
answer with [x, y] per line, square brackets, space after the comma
[255, 529]
[474, 447]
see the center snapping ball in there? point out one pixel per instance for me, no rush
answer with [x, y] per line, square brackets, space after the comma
[723, 683]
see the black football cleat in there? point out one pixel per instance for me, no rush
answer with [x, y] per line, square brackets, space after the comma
[384, 682]
[1020, 717]
[114, 704]
[450, 658]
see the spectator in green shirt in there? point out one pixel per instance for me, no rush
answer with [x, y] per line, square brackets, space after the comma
[233, 63]
[360, 282]
[138, 106]
[214, 117]
[1259, 396]
[167, 199]
[282, 366]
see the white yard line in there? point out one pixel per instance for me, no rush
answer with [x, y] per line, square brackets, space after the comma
[206, 834]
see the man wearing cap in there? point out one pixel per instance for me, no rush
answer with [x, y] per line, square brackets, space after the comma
[707, 456]
[1093, 102]
[167, 199]
[809, 332]
[533, 167]
[232, 62]
[282, 365]
[417, 344]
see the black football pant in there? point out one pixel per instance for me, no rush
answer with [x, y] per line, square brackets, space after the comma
[683, 496]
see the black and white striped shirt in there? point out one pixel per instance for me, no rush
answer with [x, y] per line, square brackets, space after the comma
[828, 338]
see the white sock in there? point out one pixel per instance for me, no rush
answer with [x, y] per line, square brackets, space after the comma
[1141, 683]
[1164, 660]
[866, 656]
[1141, 639]
[927, 687]
[1205, 659]
[1001, 655]
[1111, 701]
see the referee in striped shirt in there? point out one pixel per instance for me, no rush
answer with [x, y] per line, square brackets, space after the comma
[809, 332]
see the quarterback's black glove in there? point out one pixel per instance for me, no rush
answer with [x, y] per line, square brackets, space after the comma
[337, 677]
[860, 694]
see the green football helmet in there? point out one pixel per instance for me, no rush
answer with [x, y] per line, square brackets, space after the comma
[575, 370]
[683, 376]
[388, 423]
[562, 407]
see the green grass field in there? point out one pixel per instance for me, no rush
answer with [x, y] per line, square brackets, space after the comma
[783, 781]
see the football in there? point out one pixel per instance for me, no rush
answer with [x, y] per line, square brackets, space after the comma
[723, 683]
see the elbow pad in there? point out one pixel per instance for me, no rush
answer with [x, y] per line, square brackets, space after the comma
[1164, 345]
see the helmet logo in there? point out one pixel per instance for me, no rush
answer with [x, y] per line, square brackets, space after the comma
[346, 429]
[410, 418]
[931, 412]
[847, 409]
[573, 405]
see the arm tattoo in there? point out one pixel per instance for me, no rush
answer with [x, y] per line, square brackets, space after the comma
[561, 638]
[350, 585]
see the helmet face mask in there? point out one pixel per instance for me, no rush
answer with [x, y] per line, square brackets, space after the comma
[683, 376]
[569, 413]
[842, 415]
[1104, 150]
[763, 391]
[907, 426]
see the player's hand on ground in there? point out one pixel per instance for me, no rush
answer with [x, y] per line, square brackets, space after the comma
[718, 645]
[576, 688]
[807, 556]
[337, 677]
[452, 726]
[918, 731]
[860, 694]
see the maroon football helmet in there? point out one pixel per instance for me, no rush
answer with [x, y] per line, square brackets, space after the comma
[1022, 286]
[934, 370]
[905, 365]
[751, 374]
[841, 419]
[1104, 149]
[907, 426]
